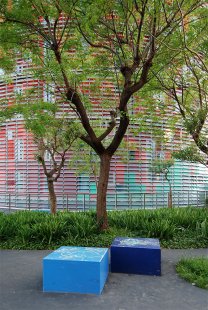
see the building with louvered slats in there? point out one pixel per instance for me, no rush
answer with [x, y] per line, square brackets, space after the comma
[131, 182]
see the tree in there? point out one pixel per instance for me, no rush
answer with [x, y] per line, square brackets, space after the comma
[53, 133]
[54, 136]
[125, 42]
[86, 163]
[189, 90]
[187, 85]
[163, 167]
[191, 154]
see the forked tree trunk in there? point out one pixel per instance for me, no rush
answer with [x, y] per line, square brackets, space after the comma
[52, 197]
[102, 219]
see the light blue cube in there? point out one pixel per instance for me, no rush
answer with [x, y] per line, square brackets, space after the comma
[76, 270]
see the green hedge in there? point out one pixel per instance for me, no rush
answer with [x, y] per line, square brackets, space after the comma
[176, 228]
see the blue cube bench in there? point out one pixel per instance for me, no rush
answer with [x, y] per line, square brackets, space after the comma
[76, 270]
[136, 255]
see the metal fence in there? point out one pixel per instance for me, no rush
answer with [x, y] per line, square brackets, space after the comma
[115, 201]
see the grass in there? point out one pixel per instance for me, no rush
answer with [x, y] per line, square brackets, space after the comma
[194, 270]
[176, 228]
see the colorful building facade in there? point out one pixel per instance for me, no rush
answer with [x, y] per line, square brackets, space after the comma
[131, 182]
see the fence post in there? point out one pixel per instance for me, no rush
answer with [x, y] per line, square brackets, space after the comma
[84, 202]
[76, 201]
[116, 201]
[9, 203]
[130, 200]
[88, 206]
[29, 202]
[178, 200]
[197, 198]
[144, 200]
[67, 202]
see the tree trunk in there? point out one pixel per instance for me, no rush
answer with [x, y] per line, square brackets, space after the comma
[170, 196]
[102, 219]
[52, 196]
[170, 199]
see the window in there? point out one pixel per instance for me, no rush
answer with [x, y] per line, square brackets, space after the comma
[18, 90]
[47, 156]
[132, 155]
[19, 149]
[10, 135]
[160, 155]
[20, 180]
[49, 93]
[19, 69]
[83, 183]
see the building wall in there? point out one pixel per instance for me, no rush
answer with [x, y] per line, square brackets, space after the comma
[130, 174]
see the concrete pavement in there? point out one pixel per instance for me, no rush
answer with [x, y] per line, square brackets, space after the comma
[21, 287]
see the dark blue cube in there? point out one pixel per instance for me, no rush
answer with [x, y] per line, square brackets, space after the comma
[136, 255]
[76, 270]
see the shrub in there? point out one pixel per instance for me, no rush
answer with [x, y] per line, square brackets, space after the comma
[8, 227]
[176, 228]
[194, 270]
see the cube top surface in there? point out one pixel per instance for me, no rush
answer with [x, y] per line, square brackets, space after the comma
[136, 243]
[74, 253]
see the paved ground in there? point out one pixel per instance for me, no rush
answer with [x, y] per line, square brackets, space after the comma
[21, 287]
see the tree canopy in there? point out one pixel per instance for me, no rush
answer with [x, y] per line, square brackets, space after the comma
[83, 46]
